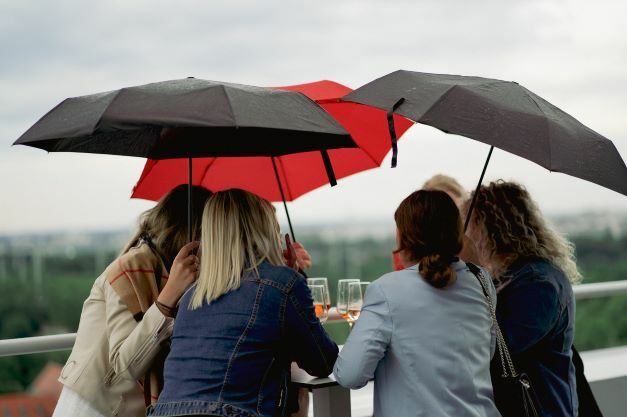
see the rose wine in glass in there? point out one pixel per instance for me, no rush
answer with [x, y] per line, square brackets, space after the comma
[318, 293]
[325, 282]
[342, 299]
[355, 300]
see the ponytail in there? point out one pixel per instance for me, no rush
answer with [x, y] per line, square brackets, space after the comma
[430, 233]
[437, 271]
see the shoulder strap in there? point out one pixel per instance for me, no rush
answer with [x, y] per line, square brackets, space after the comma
[507, 365]
[476, 271]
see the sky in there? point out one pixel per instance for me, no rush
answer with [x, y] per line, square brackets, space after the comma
[572, 53]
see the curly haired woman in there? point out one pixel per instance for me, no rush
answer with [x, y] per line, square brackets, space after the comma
[533, 267]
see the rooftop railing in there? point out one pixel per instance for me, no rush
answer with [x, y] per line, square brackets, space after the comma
[606, 369]
[52, 343]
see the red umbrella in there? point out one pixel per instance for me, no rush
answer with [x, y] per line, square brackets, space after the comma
[287, 177]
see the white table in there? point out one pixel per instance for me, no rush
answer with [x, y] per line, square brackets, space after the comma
[329, 398]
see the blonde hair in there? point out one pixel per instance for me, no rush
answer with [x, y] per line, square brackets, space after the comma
[447, 184]
[508, 226]
[165, 225]
[239, 232]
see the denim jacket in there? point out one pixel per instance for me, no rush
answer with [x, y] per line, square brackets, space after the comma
[232, 357]
[536, 313]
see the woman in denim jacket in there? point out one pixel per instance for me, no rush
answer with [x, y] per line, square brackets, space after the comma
[533, 267]
[243, 323]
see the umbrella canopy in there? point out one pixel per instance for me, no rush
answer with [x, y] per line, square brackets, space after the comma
[298, 173]
[188, 118]
[285, 178]
[502, 114]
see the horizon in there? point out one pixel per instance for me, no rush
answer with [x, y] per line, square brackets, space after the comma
[306, 227]
[564, 52]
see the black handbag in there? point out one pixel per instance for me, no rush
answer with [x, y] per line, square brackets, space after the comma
[513, 393]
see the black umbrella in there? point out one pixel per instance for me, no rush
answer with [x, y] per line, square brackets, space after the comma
[502, 114]
[189, 118]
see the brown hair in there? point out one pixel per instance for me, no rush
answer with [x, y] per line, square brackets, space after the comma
[430, 231]
[507, 225]
[165, 225]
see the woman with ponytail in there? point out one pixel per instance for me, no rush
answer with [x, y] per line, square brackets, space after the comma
[425, 334]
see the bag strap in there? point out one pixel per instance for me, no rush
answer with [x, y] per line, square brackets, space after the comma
[507, 364]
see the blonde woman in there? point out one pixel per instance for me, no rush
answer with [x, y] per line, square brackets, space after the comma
[450, 186]
[246, 319]
[115, 368]
[459, 195]
[533, 267]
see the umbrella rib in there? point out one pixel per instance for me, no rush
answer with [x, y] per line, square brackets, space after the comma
[228, 101]
[377, 164]
[104, 111]
[547, 126]
[435, 103]
[204, 173]
[287, 184]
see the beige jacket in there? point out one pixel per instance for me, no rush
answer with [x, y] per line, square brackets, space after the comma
[113, 351]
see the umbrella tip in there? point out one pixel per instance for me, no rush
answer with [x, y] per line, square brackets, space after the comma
[191, 77]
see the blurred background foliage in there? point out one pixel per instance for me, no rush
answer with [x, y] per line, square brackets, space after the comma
[50, 301]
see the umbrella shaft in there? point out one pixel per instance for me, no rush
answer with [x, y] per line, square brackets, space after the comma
[287, 213]
[189, 200]
[474, 195]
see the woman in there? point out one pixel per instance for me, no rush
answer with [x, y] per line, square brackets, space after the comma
[533, 267]
[246, 319]
[114, 368]
[459, 195]
[425, 333]
[450, 186]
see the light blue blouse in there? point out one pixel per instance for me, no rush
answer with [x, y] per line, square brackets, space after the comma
[428, 350]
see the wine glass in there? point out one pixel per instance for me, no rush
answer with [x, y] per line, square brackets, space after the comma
[355, 300]
[356, 295]
[325, 282]
[319, 295]
[342, 298]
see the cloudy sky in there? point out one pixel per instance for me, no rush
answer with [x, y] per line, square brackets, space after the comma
[571, 52]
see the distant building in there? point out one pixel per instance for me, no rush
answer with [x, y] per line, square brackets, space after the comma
[26, 405]
[40, 399]
[47, 382]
